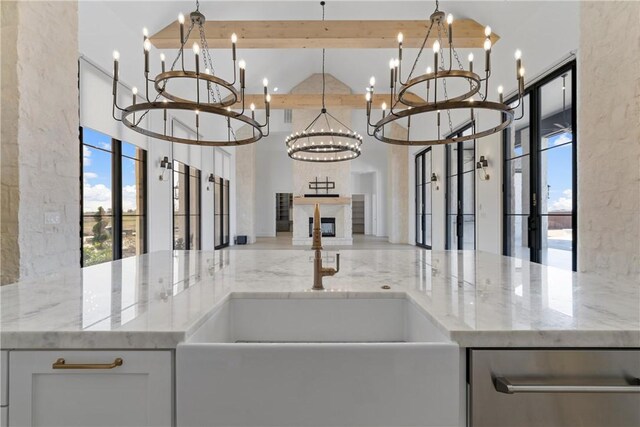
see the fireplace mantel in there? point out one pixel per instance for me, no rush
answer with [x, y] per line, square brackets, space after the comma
[298, 200]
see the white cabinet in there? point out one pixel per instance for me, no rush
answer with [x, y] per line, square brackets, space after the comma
[4, 384]
[89, 388]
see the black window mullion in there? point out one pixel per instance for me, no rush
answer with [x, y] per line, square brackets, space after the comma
[535, 220]
[116, 198]
[574, 138]
[145, 203]
[460, 201]
[187, 208]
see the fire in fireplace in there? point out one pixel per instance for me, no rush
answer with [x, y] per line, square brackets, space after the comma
[327, 225]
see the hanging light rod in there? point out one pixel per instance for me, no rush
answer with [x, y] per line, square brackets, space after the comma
[326, 139]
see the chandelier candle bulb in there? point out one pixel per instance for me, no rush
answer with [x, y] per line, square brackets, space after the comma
[470, 62]
[400, 39]
[487, 31]
[518, 56]
[181, 21]
[147, 48]
[242, 65]
[372, 82]
[116, 59]
[436, 51]
[500, 90]
[234, 39]
[196, 53]
[268, 105]
[162, 59]
[487, 55]
[450, 29]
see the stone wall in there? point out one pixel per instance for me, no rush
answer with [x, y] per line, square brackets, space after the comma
[398, 188]
[305, 172]
[609, 139]
[9, 175]
[40, 145]
[246, 187]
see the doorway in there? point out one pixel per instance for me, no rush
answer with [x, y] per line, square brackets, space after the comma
[357, 214]
[540, 197]
[284, 213]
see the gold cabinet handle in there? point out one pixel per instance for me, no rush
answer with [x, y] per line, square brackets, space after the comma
[62, 364]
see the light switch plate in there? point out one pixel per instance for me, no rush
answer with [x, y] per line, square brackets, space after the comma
[52, 217]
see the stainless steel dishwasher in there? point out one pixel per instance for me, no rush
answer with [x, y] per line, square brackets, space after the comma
[545, 388]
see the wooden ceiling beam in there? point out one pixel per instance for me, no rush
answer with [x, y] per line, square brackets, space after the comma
[322, 34]
[314, 101]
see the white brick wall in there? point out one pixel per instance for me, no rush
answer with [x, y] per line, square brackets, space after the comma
[46, 164]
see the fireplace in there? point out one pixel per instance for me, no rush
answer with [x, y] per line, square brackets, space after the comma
[327, 225]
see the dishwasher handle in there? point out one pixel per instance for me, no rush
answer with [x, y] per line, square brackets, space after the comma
[504, 385]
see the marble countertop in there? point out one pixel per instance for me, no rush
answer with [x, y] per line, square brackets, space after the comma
[477, 299]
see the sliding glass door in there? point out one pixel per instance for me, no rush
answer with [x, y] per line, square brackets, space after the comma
[423, 198]
[540, 174]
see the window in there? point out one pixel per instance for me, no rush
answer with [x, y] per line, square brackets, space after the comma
[540, 174]
[133, 200]
[113, 198]
[186, 206]
[423, 199]
[460, 194]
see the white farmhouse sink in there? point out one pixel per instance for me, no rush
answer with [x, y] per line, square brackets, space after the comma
[311, 360]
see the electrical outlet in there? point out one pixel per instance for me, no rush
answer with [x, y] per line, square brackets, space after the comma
[52, 218]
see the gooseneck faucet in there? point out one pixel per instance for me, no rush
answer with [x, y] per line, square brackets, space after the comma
[318, 271]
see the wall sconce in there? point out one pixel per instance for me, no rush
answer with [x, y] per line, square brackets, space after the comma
[434, 180]
[165, 164]
[482, 164]
[211, 179]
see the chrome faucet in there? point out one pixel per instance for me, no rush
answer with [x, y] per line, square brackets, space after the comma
[318, 271]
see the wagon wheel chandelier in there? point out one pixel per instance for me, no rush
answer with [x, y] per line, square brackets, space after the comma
[213, 104]
[334, 143]
[474, 98]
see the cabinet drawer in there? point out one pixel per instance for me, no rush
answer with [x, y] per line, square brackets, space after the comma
[89, 388]
[4, 369]
[514, 388]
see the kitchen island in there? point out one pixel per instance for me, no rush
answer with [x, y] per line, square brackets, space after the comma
[145, 307]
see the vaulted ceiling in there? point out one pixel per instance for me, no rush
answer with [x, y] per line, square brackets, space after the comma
[544, 31]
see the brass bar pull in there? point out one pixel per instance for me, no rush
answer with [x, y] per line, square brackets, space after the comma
[62, 364]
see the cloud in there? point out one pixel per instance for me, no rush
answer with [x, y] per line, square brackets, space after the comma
[563, 203]
[562, 138]
[96, 196]
[129, 197]
[90, 175]
[86, 156]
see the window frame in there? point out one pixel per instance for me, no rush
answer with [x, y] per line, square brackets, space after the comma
[187, 208]
[420, 183]
[534, 91]
[459, 189]
[116, 195]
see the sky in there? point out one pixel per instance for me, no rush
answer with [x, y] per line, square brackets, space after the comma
[98, 174]
[559, 172]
